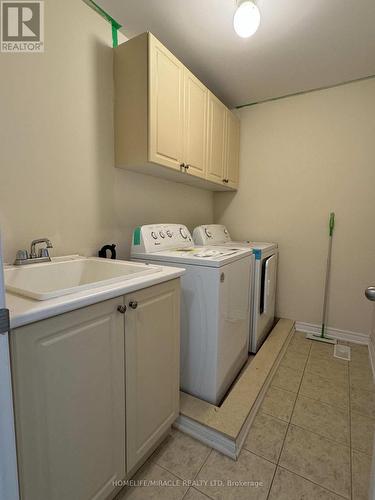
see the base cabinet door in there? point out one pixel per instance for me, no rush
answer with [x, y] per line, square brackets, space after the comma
[69, 386]
[152, 367]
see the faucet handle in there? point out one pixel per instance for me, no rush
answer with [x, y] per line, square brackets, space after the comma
[21, 255]
[43, 252]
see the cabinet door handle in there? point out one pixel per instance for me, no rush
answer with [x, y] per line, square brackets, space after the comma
[133, 304]
[121, 309]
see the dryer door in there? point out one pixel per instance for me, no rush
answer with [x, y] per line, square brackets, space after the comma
[266, 312]
[270, 285]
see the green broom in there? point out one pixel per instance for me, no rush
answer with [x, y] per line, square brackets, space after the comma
[322, 337]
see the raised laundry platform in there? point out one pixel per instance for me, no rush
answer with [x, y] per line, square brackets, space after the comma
[225, 427]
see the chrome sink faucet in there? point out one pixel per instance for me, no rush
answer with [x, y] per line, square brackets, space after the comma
[23, 257]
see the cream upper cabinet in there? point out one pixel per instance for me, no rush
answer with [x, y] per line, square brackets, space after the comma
[68, 377]
[152, 349]
[232, 149]
[216, 139]
[195, 115]
[167, 123]
[166, 93]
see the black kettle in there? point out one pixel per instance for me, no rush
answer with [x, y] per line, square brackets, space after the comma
[103, 251]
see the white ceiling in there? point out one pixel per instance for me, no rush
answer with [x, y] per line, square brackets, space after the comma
[300, 45]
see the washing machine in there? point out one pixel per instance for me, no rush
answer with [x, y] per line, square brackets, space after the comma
[263, 286]
[215, 311]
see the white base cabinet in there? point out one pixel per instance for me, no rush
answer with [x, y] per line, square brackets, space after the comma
[152, 368]
[95, 390]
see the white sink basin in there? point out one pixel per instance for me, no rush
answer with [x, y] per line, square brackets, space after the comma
[53, 279]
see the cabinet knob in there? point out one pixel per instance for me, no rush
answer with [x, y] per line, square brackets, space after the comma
[121, 309]
[133, 304]
[187, 166]
[182, 165]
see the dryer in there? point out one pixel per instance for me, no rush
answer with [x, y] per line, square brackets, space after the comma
[215, 306]
[263, 291]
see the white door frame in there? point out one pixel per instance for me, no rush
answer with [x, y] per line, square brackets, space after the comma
[8, 457]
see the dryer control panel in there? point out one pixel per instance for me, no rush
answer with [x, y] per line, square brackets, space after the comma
[159, 237]
[211, 234]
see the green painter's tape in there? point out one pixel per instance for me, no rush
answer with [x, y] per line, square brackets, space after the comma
[115, 25]
[114, 36]
[137, 236]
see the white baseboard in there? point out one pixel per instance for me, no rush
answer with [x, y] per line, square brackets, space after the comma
[355, 337]
[208, 436]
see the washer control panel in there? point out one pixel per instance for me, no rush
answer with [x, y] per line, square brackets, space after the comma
[158, 237]
[212, 234]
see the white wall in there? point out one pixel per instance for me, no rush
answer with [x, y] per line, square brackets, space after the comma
[142, 199]
[302, 157]
[57, 175]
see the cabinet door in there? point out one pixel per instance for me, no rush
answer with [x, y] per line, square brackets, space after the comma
[195, 136]
[165, 106]
[232, 149]
[152, 367]
[69, 386]
[216, 139]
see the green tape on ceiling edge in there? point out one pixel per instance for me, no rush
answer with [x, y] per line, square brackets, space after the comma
[115, 25]
[114, 36]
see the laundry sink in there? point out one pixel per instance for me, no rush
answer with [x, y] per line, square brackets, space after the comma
[54, 279]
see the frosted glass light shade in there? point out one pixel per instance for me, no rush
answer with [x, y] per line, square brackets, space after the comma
[246, 19]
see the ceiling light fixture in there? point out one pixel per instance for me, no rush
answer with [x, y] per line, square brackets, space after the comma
[246, 19]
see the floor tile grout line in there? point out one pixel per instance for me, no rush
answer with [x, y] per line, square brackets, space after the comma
[288, 426]
[290, 423]
[196, 475]
[311, 481]
[184, 479]
[320, 435]
[260, 456]
[278, 418]
[179, 477]
[350, 478]
[325, 403]
[199, 491]
[204, 463]
[170, 472]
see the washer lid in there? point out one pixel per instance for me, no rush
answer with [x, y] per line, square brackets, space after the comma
[199, 256]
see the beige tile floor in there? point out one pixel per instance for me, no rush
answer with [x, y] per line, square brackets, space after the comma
[311, 439]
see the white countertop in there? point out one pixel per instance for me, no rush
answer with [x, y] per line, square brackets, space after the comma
[24, 310]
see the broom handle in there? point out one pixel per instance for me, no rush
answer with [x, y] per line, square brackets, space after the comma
[328, 272]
